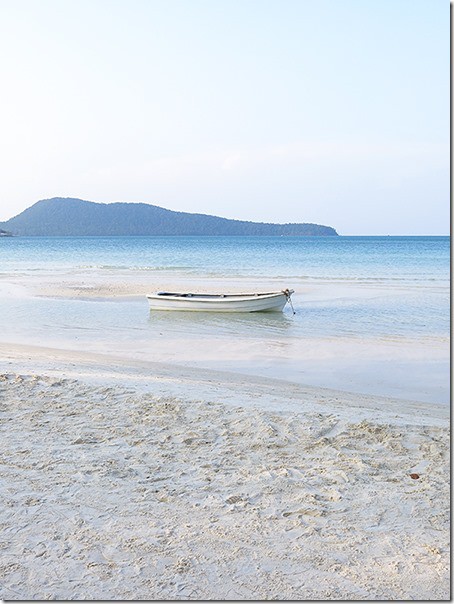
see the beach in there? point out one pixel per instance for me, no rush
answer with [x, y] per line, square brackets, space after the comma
[182, 456]
[231, 155]
[128, 480]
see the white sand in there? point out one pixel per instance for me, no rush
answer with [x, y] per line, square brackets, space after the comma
[128, 480]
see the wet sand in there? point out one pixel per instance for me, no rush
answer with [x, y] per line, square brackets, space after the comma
[123, 480]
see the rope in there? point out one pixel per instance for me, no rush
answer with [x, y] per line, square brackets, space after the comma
[289, 299]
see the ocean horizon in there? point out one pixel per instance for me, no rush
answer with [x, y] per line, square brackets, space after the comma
[372, 313]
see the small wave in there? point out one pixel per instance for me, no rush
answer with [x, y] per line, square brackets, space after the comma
[120, 267]
[354, 279]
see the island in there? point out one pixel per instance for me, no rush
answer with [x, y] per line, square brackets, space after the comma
[64, 216]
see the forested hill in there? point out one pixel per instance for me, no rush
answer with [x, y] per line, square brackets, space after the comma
[62, 216]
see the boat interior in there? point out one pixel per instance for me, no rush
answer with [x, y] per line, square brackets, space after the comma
[211, 296]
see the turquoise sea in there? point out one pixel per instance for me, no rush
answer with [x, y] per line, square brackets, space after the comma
[371, 313]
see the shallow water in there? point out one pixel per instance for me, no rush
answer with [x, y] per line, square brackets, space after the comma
[372, 313]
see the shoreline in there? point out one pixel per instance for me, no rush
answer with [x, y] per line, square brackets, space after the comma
[97, 309]
[130, 479]
[202, 383]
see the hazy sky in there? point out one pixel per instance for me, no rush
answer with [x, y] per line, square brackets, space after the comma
[326, 111]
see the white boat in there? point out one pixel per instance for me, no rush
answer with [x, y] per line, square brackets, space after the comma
[267, 301]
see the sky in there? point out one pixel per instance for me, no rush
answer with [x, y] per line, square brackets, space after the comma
[328, 111]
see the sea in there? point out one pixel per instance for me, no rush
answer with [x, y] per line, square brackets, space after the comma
[370, 314]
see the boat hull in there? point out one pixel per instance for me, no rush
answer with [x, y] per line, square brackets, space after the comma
[269, 302]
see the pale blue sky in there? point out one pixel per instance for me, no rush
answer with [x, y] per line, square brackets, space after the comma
[327, 111]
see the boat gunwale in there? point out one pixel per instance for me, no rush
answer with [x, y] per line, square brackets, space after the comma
[218, 297]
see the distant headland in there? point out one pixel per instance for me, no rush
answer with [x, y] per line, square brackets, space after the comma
[64, 216]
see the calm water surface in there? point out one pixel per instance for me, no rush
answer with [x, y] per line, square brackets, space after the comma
[373, 310]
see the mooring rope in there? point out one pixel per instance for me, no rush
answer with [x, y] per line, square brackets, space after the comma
[288, 295]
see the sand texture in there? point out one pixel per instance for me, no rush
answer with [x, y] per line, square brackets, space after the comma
[114, 491]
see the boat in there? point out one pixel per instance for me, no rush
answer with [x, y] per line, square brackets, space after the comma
[266, 301]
